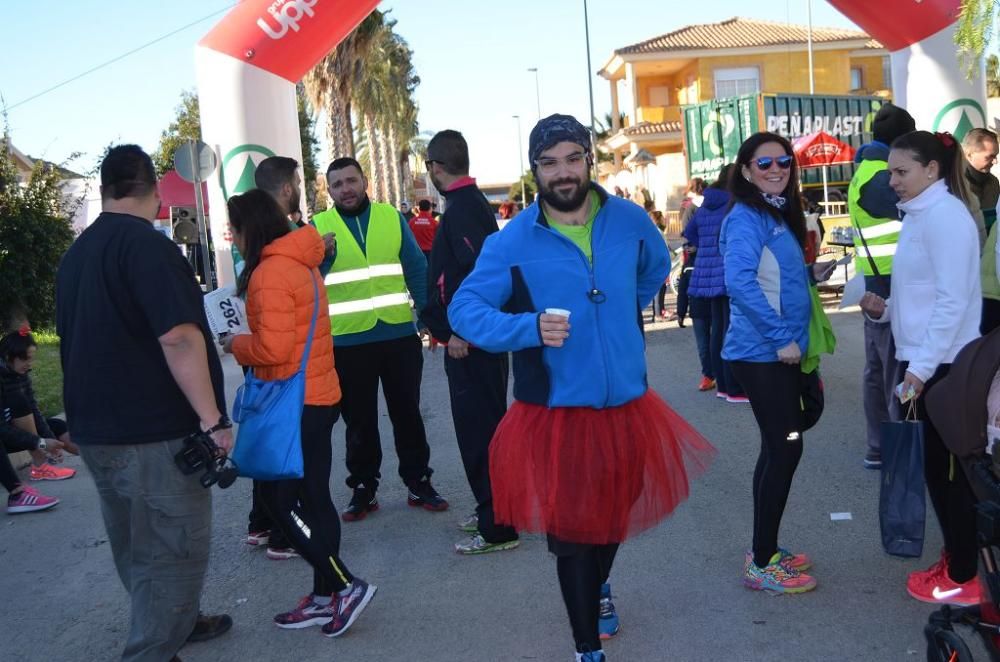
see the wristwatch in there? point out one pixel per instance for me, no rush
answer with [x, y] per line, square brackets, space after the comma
[42, 444]
[224, 424]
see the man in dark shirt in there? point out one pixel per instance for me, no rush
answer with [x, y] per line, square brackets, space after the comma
[477, 380]
[140, 375]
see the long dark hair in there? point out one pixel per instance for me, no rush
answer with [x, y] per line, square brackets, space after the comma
[745, 192]
[943, 148]
[259, 220]
[15, 344]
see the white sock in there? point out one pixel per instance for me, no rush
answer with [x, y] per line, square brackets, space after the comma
[322, 600]
[346, 592]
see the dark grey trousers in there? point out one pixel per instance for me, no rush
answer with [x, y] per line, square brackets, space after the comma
[159, 525]
[881, 375]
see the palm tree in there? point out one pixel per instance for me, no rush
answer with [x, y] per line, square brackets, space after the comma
[402, 116]
[328, 85]
[383, 99]
[992, 76]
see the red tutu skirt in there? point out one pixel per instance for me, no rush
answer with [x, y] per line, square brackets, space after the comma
[593, 476]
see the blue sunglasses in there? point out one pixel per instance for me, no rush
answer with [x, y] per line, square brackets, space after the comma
[765, 162]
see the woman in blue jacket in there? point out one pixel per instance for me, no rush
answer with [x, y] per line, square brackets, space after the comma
[768, 283]
[709, 301]
[587, 453]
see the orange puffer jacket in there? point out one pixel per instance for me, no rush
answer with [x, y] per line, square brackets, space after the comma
[279, 310]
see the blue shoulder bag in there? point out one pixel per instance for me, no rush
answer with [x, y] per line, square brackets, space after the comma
[269, 413]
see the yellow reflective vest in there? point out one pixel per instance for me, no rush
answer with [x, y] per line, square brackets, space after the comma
[365, 286]
[881, 234]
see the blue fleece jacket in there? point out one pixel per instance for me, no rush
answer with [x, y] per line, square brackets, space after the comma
[528, 267]
[768, 284]
[702, 231]
[414, 272]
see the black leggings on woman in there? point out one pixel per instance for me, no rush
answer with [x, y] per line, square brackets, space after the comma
[951, 495]
[773, 390]
[303, 507]
[582, 569]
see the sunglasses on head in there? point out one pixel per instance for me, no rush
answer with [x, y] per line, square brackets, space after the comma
[765, 162]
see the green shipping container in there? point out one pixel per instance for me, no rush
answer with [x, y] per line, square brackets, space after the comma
[714, 130]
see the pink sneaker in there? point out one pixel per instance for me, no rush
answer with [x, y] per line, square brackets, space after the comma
[28, 500]
[48, 472]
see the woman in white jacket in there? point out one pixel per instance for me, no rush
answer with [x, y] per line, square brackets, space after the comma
[934, 311]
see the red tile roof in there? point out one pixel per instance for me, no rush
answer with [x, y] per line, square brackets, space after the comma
[742, 33]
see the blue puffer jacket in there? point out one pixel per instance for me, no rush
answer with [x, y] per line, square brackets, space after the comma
[768, 284]
[528, 267]
[702, 232]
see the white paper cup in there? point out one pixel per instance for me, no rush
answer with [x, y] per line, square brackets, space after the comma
[562, 312]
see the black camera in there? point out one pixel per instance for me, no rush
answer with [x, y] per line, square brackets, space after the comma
[200, 453]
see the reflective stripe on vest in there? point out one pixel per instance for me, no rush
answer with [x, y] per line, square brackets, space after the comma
[881, 234]
[365, 273]
[366, 286]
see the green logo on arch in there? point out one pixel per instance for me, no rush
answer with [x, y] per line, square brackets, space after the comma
[239, 170]
[959, 117]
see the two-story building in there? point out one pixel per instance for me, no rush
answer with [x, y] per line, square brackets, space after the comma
[650, 81]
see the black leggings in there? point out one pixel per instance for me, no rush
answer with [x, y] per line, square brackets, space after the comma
[582, 569]
[951, 495]
[303, 508]
[773, 390]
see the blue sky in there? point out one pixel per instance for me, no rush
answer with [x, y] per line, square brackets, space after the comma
[472, 58]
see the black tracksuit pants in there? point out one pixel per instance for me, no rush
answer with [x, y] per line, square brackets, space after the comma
[398, 364]
[478, 388]
[303, 507]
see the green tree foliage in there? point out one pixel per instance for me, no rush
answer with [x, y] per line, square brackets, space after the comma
[185, 126]
[975, 31]
[310, 146]
[604, 127]
[530, 188]
[35, 231]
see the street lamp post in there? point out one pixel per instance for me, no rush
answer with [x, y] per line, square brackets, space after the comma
[538, 95]
[590, 87]
[520, 156]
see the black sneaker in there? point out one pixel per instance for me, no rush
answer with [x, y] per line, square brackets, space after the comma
[210, 627]
[873, 460]
[350, 607]
[362, 503]
[423, 494]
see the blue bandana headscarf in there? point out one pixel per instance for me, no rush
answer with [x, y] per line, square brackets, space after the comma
[555, 129]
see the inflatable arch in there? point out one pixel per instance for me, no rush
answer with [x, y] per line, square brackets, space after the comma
[248, 64]
[247, 67]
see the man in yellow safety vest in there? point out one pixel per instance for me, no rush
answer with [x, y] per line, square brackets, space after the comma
[377, 265]
[872, 205]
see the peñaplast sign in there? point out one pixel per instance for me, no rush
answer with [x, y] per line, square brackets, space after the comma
[795, 125]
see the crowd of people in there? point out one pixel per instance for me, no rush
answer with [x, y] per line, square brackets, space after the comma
[556, 299]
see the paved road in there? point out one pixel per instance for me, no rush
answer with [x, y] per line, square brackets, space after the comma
[677, 587]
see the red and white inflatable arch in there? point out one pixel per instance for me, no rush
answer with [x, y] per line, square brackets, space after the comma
[927, 78]
[247, 67]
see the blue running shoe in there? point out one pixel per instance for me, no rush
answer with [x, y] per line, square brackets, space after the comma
[591, 656]
[608, 625]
